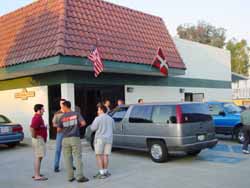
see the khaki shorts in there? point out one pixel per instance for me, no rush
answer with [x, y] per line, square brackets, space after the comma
[102, 148]
[39, 147]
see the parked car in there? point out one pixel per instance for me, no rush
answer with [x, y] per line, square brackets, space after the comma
[162, 128]
[243, 108]
[10, 133]
[226, 117]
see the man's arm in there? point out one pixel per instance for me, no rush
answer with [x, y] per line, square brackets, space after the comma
[83, 123]
[81, 120]
[94, 125]
[55, 121]
[32, 131]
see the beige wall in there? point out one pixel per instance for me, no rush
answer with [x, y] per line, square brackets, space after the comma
[21, 111]
[168, 94]
[204, 61]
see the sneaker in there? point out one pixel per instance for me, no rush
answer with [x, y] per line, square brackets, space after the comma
[72, 179]
[56, 169]
[82, 179]
[99, 176]
[245, 151]
[107, 174]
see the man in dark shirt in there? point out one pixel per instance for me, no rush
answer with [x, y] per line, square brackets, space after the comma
[69, 125]
[39, 137]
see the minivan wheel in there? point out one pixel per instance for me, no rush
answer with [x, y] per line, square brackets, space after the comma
[158, 151]
[239, 133]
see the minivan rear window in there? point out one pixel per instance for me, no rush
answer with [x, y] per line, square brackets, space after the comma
[164, 114]
[195, 113]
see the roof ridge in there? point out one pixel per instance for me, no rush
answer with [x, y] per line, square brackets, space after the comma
[61, 34]
[130, 9]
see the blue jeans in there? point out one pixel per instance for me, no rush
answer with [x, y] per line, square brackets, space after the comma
[59, 138]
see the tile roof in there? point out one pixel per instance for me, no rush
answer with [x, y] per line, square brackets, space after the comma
[72, 27]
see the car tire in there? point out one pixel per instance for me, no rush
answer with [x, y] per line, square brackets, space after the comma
[239, 134]
[158, 151]
[12, 145]
[194, 152]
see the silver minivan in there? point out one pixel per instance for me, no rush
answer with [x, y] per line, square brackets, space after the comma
[162, 128]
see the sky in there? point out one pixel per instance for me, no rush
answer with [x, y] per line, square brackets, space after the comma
[233, 15]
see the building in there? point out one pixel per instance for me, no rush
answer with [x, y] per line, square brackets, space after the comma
[43, 50]
[241, 89]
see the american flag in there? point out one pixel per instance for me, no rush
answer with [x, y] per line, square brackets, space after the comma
[95, 58]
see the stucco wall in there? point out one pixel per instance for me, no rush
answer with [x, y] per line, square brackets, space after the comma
[161, 93]
[21, 111]
[203, 61]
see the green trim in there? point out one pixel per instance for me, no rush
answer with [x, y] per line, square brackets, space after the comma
[31, 65]
[30, 68]
[122, 79]
[117, 67]
[86, 77]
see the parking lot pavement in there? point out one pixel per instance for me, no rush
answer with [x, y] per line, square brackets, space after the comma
[222, 167]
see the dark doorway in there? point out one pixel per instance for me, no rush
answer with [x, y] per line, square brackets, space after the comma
[188, 97]
[88, 96]
[54, 93]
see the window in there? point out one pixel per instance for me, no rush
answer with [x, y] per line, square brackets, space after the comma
[119, 114]
[195, 113]
[232, 108]
[194, 97]
[3, 119]
[163, 114]
[215, 109]
[141, 114]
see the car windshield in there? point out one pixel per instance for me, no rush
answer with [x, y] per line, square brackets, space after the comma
[232, 108]
[4, 119]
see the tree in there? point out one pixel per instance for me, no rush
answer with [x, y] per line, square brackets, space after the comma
[240, 54]
[204, 33]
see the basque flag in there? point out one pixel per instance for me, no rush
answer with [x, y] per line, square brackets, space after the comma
[95, 58]
[160, 62]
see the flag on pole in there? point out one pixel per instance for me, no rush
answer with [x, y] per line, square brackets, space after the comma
[95, 58]
[160, 62]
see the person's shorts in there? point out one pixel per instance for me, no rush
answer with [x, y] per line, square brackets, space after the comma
[102, 148]
[39, 147]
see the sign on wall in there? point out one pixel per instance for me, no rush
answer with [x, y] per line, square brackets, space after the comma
[24, 94]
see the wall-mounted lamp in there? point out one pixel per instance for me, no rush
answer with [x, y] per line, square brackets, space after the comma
[130, 89]
[181, 90]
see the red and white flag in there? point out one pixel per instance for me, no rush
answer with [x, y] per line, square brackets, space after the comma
[160, 62]
[95, 58]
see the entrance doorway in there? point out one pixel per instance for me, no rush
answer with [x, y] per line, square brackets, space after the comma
[86, 99]
[54, 94]
[88, 96]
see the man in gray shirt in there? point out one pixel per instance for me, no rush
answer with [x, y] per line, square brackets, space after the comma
[69, 124]
[103, 125]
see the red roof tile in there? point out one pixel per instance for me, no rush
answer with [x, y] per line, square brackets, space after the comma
[71, 27]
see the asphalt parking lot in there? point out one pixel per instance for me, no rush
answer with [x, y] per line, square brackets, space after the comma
[223, 167]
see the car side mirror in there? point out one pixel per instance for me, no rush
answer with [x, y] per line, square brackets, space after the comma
[222, 113]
